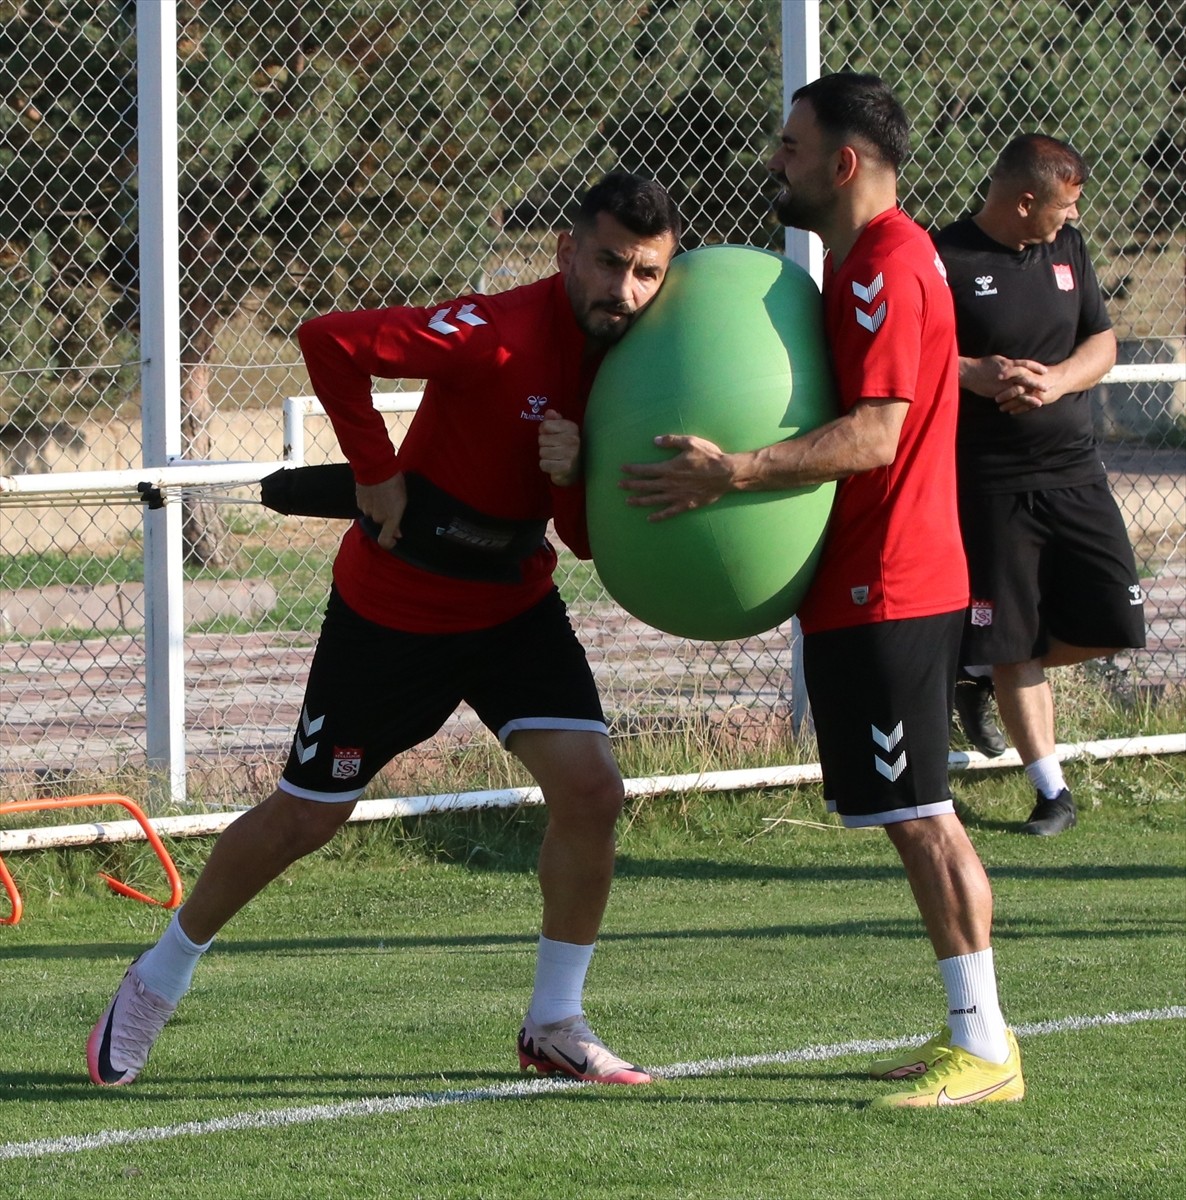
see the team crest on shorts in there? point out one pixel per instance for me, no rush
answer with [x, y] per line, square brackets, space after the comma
[981, 613]
[347, 762]
[860, 595]
[1064, 277]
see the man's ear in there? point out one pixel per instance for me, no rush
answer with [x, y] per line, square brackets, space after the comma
[847, 161]
[1026, 202]
[566, 246]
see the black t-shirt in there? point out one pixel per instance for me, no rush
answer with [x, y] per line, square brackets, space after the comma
[1038, 303]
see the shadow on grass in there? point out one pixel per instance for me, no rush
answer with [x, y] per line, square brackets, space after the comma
[629, 867]
[905, 928]
[61, 1086]
[243, 1091]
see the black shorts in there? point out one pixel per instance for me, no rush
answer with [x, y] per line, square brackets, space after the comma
[1048, 564]
[881, 699]
[374, 692]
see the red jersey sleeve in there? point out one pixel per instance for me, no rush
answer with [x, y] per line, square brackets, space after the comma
[568, 516]
[876, 328]
[343, 352]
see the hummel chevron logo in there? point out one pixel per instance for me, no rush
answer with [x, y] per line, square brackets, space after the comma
[465, 314]
[867, 293]
[890, 770]
[305, 749]
[871, 321]
[887, 741]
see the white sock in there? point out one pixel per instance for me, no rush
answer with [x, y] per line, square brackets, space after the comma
[1046, 775]
[973, 1010]
[981, 672]
[168, 967]
[559, 980]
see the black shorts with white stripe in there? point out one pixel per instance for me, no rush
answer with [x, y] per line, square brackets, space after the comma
[375, 692]
[881, 699]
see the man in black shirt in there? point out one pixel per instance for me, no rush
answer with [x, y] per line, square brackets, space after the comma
[1053, 578]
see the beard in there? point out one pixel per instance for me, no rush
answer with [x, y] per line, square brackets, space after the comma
[605, 324]
[805, 208]
[797, 212]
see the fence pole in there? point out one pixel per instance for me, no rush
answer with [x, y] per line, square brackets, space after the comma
[160, 385]
[800, 65]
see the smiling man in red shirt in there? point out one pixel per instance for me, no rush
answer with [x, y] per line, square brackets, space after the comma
[883, 617]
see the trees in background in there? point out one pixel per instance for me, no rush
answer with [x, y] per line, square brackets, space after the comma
[339, 154]
[351, 153]
[1109, 76]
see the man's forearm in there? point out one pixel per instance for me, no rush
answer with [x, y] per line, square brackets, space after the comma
[863, 439]
[1088, 363]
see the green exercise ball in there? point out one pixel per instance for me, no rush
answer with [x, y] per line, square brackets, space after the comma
[732, 350]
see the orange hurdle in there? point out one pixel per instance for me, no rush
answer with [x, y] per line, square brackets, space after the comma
[115, 885]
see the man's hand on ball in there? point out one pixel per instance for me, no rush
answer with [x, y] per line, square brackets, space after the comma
[559, 449]
[699, 474]
[384, 503]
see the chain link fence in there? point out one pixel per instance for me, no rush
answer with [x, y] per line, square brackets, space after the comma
[360, 153]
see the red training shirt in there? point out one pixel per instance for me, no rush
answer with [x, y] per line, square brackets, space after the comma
[492, 365]
[893, 547]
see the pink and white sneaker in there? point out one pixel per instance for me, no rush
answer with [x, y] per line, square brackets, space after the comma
[119, 1044]
[572, 1048]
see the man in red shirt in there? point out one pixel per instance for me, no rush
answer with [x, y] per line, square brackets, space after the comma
[883, 617]
[443, 592]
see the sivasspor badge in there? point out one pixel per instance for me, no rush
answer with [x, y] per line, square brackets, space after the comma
[1064, 277]
[981, 613]
[347, 762]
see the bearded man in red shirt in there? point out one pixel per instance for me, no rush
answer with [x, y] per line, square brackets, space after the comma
[883, 617]
[443, 592]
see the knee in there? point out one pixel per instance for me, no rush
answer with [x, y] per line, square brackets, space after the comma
[594, 802]
[304, 826]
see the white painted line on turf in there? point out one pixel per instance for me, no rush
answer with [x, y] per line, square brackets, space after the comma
[279, 1118]
[717, 1066]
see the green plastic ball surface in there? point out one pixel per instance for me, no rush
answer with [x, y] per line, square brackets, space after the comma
[732, 350]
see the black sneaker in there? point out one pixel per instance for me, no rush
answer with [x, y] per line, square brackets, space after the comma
[1051, 816]
[973, 706]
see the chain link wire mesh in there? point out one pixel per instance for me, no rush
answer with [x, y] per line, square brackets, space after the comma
[360, 153]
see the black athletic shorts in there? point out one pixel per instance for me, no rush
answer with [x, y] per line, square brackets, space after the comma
[1054, 563]
[374, 692]
[881, 700]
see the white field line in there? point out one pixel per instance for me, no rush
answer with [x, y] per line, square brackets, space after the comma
[278, 1118]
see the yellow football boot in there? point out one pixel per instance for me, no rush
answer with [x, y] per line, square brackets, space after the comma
[914, 1060]
[958, 1077]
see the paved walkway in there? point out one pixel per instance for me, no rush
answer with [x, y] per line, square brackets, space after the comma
[81, 704]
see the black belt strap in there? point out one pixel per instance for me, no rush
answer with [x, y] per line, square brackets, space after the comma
[438, 532]
[442, 534]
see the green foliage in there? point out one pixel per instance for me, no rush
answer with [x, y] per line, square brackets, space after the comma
[67, 132]
[358, 154]
[974, 75]
[345, 154]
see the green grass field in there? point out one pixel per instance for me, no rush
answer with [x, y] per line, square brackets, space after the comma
[352, 1032]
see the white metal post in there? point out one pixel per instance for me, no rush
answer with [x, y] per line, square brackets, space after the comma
[160, 384]
[800, 65]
